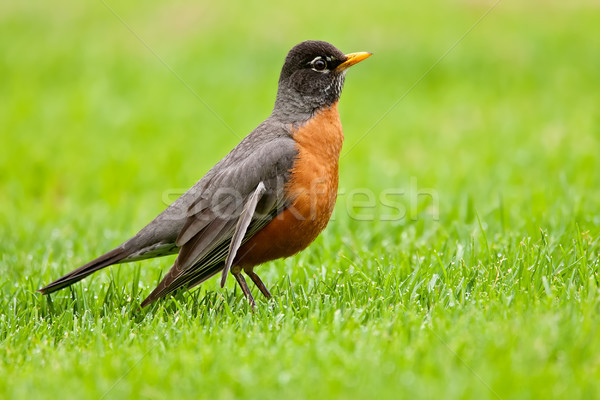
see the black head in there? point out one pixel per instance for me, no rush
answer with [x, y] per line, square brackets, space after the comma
[312, 77]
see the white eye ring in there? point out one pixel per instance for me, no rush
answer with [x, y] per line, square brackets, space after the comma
[319, 65]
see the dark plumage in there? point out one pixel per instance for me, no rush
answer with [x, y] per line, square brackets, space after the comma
[302, 87]
[249, 190]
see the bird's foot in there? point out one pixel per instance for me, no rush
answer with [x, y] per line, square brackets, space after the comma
[245, 289]
[261, 286]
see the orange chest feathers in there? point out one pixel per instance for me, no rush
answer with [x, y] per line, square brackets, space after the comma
[313, 184]
[311, 190]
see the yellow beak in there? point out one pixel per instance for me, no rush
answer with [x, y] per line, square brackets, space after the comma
[353, 58]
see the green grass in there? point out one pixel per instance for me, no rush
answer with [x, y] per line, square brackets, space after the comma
[488, 288]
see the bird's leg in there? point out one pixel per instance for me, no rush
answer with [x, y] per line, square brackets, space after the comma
[245, 288]
[261, 286]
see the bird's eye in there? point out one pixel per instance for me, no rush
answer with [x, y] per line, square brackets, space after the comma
[319, 64]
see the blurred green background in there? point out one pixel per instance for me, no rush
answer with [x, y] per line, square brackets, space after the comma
[97, 134]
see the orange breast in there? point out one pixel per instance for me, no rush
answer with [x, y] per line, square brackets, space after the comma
[312, 190]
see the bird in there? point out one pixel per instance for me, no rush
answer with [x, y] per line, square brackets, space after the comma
[268, 198]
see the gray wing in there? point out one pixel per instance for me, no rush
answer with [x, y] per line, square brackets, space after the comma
[216, 207]
[241, 228]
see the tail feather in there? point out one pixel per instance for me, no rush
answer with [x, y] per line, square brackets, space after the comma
[165, 287]
[110, 258]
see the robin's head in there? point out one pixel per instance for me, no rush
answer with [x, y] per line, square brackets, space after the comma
[312, 77]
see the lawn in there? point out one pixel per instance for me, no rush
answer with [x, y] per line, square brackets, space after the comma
[462, 261]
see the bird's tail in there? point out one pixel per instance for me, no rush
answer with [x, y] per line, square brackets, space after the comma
[110, 258]
[166, 286]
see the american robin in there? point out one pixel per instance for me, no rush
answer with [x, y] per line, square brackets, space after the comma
[269, 198]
